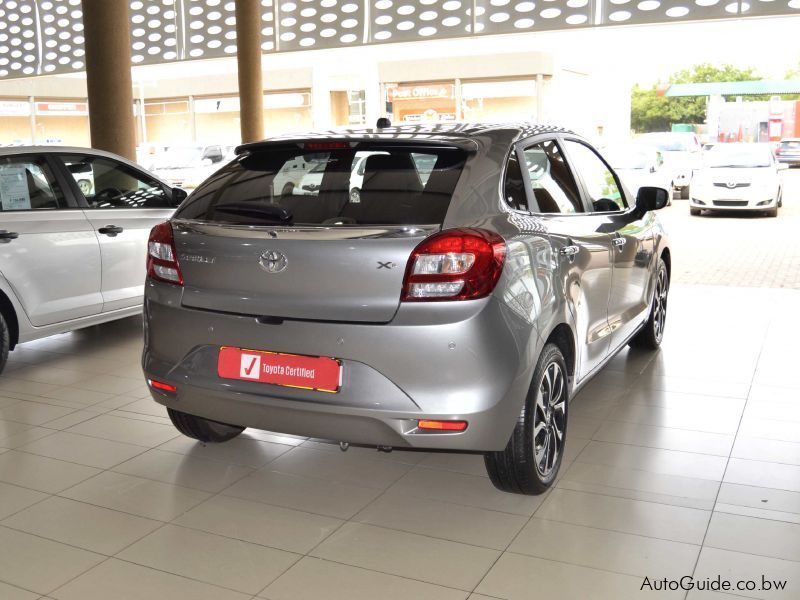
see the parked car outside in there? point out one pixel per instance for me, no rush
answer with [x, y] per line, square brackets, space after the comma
[788, 152]
[458, 314]
[682, 155]
[638, 166]
[188, 166]
[70, 253]
[738, 177]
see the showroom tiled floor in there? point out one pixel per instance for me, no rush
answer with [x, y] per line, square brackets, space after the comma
[685, 461]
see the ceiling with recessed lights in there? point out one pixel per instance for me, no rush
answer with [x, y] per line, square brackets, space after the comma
[41, 37]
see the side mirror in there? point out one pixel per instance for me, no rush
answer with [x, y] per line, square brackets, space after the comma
[651, 198]
[178, 195]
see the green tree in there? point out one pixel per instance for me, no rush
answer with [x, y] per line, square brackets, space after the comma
[651, 112]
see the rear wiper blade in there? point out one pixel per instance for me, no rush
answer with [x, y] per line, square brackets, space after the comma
[273, 214]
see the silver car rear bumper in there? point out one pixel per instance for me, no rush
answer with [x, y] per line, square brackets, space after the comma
[469, 361]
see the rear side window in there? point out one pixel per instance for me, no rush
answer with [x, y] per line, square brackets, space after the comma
[367, 185]
[552, 183]
[27, 184]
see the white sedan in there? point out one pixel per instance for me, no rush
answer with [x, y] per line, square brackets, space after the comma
[737, 177]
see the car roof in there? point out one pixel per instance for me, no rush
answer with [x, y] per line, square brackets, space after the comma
[794, 139]
[459, 134]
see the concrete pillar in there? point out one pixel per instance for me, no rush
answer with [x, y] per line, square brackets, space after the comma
[248, 58]
[108, 76]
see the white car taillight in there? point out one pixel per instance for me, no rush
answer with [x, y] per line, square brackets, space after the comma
[162, 258]
[456, 264]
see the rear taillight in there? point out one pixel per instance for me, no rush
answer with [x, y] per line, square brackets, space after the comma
[162, 258]
[456, 264]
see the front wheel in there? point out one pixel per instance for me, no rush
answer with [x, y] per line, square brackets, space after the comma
[530, 462]
[650, 336]
[202, 429]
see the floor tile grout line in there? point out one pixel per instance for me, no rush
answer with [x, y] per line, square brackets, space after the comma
[764, 338]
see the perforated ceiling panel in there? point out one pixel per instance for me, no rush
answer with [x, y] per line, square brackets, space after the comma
[154, 31]
[320, 23]
[507, 16]
[19, 46]
[403, 21]
[46, 36]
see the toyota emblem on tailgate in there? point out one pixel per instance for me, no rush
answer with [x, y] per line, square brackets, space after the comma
[273, 261]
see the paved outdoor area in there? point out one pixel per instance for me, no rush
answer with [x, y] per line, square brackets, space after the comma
[681, 462]
[738, 249]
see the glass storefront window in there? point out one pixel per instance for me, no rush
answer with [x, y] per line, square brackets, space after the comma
[286, 112]
[63, 123]
[168, 122]
[428, 102]
[499, 100]
[16, 118]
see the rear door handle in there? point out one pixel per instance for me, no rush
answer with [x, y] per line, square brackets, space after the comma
[110, 230]
[7, 236]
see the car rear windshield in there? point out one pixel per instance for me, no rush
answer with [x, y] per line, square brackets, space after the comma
[331, 184]
[794, 144]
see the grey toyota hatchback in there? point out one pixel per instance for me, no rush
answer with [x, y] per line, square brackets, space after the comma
[477, 279]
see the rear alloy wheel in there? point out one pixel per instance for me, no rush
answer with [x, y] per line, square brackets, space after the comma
[650, 336]
[530, 462]
[5, 342]
[202, 429]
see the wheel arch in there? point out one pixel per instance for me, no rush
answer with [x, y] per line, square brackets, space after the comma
[562, 336]
[10, 315]
[666, 256]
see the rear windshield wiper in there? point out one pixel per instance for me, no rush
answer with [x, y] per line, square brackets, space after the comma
[265, 212]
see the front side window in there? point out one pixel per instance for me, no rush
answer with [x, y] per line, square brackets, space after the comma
[28, 184]
[552, 183]
[600, 182]
[106, 183]
[368, 185]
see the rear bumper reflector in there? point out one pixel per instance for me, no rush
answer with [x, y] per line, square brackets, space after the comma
[442, 425]
[162, 387]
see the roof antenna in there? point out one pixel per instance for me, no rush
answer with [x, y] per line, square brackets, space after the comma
[382, 123]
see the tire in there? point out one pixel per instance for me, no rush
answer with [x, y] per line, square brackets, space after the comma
[695, 212]
[5, 342]
[686, 192]
[288, 189]
[520, 469]
[650, 336]
[202, 429]
[355, 195]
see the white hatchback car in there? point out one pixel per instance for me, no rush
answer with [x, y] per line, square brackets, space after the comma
[74, 225]
[738, 177]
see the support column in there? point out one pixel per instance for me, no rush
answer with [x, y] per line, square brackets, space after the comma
[248, 58]
[108, 76]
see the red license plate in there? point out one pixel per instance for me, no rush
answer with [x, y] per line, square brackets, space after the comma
[318, 373]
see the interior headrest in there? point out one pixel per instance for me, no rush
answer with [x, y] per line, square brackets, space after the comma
[391, 172]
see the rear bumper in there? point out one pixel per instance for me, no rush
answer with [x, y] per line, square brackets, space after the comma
[789, 160]
[470, 362]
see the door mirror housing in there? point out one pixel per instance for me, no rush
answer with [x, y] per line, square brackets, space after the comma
[651, 198]
[178, 195]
